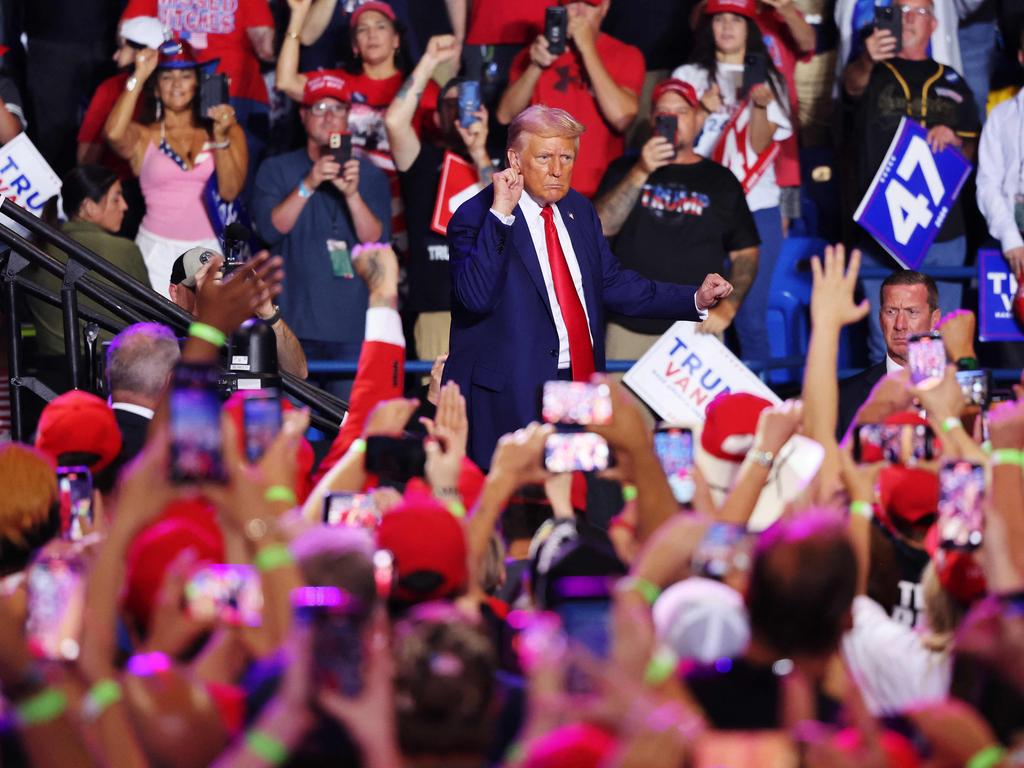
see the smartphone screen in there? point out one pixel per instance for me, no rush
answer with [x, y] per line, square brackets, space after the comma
[895, 443]
[724, 549]
[195, 425]
[339, 145]
[674, 448]
[576, 452]
[666, 126]
[469, 102]
[384, 573]
[356, 510]
[337, 637]
[74, 486]
[891, 18]
[395, 459]
[261, 415]
[961, 519]
[56, 601]
[576, 402]
[926, 355]
[976, 386]
[227, 593]
[556, 25]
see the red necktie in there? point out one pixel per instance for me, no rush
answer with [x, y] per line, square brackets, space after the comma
[581, 351]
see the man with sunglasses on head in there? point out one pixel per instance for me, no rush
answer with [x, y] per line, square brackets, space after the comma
[313, 211]
[890, 82]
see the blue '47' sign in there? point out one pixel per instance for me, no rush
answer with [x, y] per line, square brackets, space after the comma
[911, 194]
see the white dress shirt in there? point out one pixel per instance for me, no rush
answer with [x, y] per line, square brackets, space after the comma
[138, 410]
[891, 366]
[1001, 170]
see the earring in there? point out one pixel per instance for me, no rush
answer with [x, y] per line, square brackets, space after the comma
[159, 110]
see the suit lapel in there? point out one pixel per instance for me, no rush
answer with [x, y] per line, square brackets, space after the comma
[524, 245]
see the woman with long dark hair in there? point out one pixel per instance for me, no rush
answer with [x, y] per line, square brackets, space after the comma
[743, 131]
[179, 161]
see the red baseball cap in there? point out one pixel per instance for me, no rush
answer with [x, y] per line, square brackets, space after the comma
[588, 2]
[429, 548]
[674, 85]
[730, 424]
[79, 422]
[327, 84]
[746, 8]
[576, 745]
[371, 5]
[959, 572]
[908, 493]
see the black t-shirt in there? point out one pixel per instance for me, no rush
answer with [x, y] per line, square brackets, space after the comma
[429, 279]
[739, 696]
[938, 96]
[910, 564]
[682, 227]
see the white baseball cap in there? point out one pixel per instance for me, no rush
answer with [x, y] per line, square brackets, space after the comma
[143, 30]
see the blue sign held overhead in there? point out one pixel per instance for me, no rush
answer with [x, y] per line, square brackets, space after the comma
[996, 288]
[911, 194]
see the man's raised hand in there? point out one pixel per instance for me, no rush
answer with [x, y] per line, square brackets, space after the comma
[712, 290]
[508, 187]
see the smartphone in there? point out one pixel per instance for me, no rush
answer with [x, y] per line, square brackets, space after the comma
[337, 624]
[356, 510]
[213, 91]
[237, 248]
[666, 127]
[56, 603]
[961, 519]
[339, 146]
[74, 487]
[556, 26]
[576, 452]
[384, 573]
[976, 386]
[195, 425]
[227, 593]
[583, 605]
[755, 71]
[896, 443]
[674, 448]
[469, 102]
[395, 459]
[926, 356]
[261, 418]
[725, 549]
[576, 402]
[891, 18]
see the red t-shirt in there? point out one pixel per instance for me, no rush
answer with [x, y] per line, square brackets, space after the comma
[564, 84]
[782, 49]
[216, 29]
[500, 22]
[91, 132]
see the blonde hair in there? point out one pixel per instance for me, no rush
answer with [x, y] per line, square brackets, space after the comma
[942, 612]
[543, 121]
[30, 490]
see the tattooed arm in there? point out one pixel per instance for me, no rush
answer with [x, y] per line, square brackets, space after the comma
[405, 144]
[744, 270]
[614, 207]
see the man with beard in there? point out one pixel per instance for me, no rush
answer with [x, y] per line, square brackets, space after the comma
[419, 160]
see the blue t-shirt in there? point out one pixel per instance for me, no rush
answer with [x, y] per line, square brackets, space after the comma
[317, 304]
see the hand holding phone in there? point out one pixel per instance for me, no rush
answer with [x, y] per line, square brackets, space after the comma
[56, 605]
[339, 146]
[469, 102]
[227, 593]
[576, 402]
[195, 425]
[666, 126]
[674, 448]
[213, 91]
[926, 357]
[337, 623]
[74, 487]
[556, 27]
[961, 520]
[890, 19]
[755, 71]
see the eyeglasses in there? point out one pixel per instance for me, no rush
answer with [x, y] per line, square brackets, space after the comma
[322, 108]
[908, 10]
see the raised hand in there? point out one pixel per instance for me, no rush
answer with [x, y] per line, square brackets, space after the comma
[834, 286]
[508, 188]
[712, 290]
[880, 45]
[656, 153]
[539, 53]
[226, 304]
[145, 63]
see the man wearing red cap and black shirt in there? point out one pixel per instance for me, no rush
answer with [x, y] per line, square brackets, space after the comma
[675, 216]
[313, 212]
[579, 82]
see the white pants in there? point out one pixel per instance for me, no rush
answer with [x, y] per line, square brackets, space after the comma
[159, 253]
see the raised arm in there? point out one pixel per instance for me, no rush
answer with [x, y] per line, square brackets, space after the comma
[288, 78]
[615, 205]
[880, 45]
[319, 18]
[126, 137]
[231, 153]
[517, 95]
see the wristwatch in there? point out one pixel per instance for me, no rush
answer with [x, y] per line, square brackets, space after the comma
[131, 82]
[274, 317]
[765, 458]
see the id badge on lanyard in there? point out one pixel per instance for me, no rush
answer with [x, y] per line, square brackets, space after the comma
[341, 259]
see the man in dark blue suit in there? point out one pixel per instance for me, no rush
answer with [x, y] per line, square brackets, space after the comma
[532, 277]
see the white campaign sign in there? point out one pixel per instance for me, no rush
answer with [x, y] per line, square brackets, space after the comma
[684, 371]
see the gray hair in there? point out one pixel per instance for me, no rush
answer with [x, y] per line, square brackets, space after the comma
[140, 358]
[543, 121]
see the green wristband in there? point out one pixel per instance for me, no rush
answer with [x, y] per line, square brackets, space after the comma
[272, 557]
[987, 757]
[629, 493]
[266, 747]
[103, 695]
[950, 423]
[457, 508]
[44, 707]
[280, 493]
[862, 509]
[208, 334]
[648, 591]
[1007, 456]
[661, 666]
[358, 445]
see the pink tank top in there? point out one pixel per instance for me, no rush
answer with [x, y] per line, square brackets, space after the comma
[174, 196]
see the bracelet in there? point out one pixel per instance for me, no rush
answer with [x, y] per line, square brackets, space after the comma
[266, 747]
[280, 493]
[950, 423]
[1007, 456]
[303, 190]
[661, 666]
[219, 144]
[987, 758]
[862, 509]
[457, 508]
[292, 35]
[102, 696]
[272, 557]
[629, 493]
[358, 445]
[46, 706]
[648, 591]
[207, 333]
